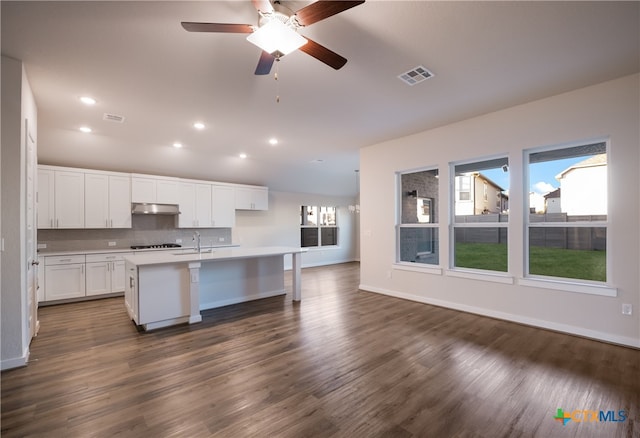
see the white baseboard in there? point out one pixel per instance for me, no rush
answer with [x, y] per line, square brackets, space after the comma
[540, 323]
[15, 362]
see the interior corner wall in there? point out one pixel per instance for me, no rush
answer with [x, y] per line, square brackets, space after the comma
[607, 110]
[15, 334]
[280, 226]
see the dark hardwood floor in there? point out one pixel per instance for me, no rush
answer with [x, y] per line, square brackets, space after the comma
[342, 363]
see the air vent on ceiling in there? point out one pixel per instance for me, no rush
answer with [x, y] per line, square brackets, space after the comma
[415, 75]
[113, 118]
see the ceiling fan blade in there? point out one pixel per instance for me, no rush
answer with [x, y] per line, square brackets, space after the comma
[323, 9]
[263, 6]
[321, 53]
[265, 63]
[217, 27]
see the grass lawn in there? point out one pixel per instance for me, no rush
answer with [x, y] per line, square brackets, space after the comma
[552, 262]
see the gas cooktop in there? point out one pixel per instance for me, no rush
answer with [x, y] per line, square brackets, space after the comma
[157, 245]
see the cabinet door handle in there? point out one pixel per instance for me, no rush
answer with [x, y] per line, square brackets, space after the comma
[51, 222]
[65, 260]
[111, 223]
[82, 269]
[106, 223]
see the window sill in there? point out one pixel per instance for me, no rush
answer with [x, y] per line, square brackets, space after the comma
[482, 276]
[320, 248]
[569, 286]
[418, 267]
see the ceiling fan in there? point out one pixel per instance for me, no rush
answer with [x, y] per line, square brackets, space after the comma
[277, 33]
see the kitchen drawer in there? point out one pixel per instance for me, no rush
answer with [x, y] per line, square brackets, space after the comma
[108, 257]
[63, 260]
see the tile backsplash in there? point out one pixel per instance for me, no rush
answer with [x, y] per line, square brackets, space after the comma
[145, 230]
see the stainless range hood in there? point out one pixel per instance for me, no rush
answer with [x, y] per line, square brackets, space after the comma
[143, 208]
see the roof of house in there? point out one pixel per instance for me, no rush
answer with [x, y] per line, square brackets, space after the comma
[595, 160]
[553, 194]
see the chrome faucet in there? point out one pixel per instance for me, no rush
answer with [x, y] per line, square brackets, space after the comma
[196, 238]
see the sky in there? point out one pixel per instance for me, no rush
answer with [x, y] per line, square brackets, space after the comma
[542, 175]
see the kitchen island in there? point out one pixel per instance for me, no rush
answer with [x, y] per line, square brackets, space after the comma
[168, 288]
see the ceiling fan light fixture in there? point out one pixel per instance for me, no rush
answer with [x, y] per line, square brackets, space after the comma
[275, 36]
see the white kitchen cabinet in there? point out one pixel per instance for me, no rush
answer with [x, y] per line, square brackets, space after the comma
[69, 199]
[46, 199]
[64, 277]
[195, 205]
[98, 278]
[167, 191]
[223, 209]
[150, 189]
[105, 274]
[252, 198]
[107, 201]
[60, 198]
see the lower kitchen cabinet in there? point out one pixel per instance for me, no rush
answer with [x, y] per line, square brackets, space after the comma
[64, 277]
[78, 276]
[105, 274]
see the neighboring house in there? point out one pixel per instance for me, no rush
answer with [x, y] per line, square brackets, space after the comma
[536, 203]
[552, 202]
[477, 194]
[584, 187]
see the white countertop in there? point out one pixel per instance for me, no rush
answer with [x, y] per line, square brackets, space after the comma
[178, 256]
[46, 253]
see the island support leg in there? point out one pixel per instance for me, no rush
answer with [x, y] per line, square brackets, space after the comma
[194, 292]
[297, 274]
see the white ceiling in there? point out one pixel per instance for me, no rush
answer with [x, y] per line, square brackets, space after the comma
[138, 62]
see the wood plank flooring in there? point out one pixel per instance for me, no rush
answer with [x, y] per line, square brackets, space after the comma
[342, 363]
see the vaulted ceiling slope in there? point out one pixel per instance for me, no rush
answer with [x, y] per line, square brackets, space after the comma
[138, 62]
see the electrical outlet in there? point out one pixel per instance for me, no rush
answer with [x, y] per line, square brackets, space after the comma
[112, 244]
[220, 239]
[42, 246]
[627, 309]
[178, 240]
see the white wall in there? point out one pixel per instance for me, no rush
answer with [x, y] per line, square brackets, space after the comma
[18, 104]
[280, 226]
[610, 109]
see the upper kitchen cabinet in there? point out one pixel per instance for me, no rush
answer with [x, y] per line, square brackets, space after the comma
[60, 198]
[107, 200]
[154, 189]
[252, 198]
[223, 208]
[46, 209]
[195, 205]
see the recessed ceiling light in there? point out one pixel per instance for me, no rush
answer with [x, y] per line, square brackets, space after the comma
[317, 161]
[85, 129]
[243, 155]
[88, 100]
[273, 141]
[198, 125]
[177, 145]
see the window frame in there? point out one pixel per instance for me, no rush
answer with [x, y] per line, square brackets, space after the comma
[466, 272]
[320, 226]
[433, 223]
[566, 283]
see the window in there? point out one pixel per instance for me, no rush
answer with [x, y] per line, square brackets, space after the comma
[417, 228]
[567, 220]
[318, 226]
[480, 212]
